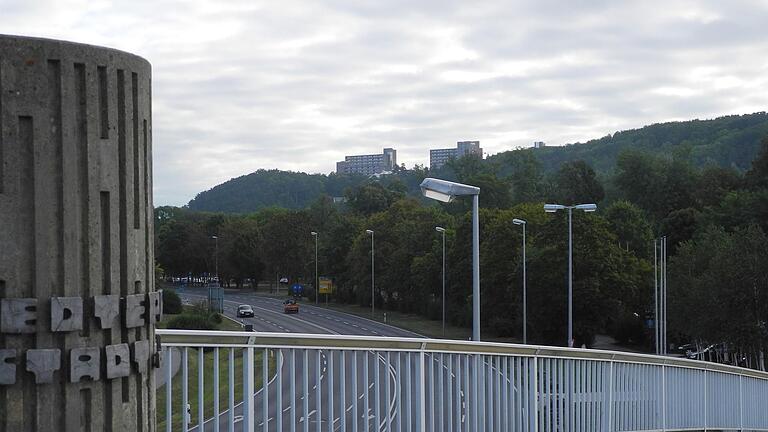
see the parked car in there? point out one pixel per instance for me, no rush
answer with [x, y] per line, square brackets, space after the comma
[290, 306]
[244, 311]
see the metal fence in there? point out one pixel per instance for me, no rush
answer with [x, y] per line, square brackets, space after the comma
[328, 383]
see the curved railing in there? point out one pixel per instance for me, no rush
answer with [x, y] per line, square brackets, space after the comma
[356, 383]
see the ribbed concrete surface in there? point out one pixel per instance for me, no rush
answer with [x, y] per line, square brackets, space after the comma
[75, 221]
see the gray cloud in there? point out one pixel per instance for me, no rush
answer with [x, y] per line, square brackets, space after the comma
[297, 84]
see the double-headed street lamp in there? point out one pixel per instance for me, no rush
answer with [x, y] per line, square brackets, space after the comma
[373, 294]
[441, 230]
[446, 191]
[317, 279]
[552, 208]
[522, 223]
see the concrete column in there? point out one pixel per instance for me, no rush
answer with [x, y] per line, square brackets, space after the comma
[77, 296]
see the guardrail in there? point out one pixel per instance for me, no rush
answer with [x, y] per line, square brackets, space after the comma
[327, 383]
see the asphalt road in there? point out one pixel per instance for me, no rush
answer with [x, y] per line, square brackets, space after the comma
[289, 401]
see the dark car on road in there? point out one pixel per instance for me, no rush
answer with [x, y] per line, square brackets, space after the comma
[244, 311]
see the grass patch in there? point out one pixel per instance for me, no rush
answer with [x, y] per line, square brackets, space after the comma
[225, 324]
[208, 391]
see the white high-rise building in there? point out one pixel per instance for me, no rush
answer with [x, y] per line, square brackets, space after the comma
[438, 157]
[368, 164]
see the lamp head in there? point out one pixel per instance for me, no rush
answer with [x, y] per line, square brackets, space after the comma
[446, 191]
[518, 222]
[369, 232]
[313, 233]
[551, 208]
[587, 207]
[440, 229]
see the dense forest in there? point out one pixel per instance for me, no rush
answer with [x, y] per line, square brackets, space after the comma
[726, 142]
[714, 214]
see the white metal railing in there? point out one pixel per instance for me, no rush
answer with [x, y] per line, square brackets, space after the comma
[327, 383]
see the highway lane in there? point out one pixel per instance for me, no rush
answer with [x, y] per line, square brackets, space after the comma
[269, 318]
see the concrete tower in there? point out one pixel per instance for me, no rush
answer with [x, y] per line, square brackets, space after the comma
[77, 297]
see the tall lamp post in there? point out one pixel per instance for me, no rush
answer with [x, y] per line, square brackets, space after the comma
[552, 208]
[522, 223]
[317, 279]
[215, 293]
[446, 191]
[216, 256]
[441, 230]
[373, 292]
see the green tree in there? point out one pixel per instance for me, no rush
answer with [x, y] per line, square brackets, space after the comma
[632, 229]
[370, 198]
[577, 183]
[720, 282]
[240, 251]
[287, 245]
[757, 176]
[525, 175]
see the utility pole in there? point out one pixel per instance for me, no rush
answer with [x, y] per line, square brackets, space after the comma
[373, 292]
[317, 278]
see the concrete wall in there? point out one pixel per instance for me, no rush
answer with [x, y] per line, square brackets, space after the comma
[76, 243]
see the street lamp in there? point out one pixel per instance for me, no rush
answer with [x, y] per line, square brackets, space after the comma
[553, 208]
[216, 256]
[373, 295]
[446, 191]
[525, 294]
[317, 279]
[441, 230]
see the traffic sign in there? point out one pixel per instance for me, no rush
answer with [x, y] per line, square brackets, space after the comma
[297, 289]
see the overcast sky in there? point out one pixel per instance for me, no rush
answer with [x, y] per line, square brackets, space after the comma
[296, 85]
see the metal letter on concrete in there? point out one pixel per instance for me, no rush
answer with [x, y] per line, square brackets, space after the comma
[18, 315]
[7, 366]
[42, 363]
[84, 364]
[106, 308]
[66, 314]
[118, 360]
[75, 229]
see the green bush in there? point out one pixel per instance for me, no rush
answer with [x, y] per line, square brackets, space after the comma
[216, 317]
[188, 321]
[504, 326]
[171, 302]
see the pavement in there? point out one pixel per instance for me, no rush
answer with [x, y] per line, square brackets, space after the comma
[285, 404]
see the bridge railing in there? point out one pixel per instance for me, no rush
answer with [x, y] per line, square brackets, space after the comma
[353, 383]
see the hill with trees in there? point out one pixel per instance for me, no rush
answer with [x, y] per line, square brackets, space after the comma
[729, 142]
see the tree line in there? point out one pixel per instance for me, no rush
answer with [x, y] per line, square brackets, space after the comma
[715, 218]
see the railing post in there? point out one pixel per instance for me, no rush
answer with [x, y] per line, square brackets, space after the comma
[422, 391]
[265, 389]
[185, 389]
[169, 390]
[609, 405]
[663, 398]
[231, 373]
[533, 402]
[741, 403]
[706, 399]
[200, 388]
[475, 392]
[215, 389]
[248, 405]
